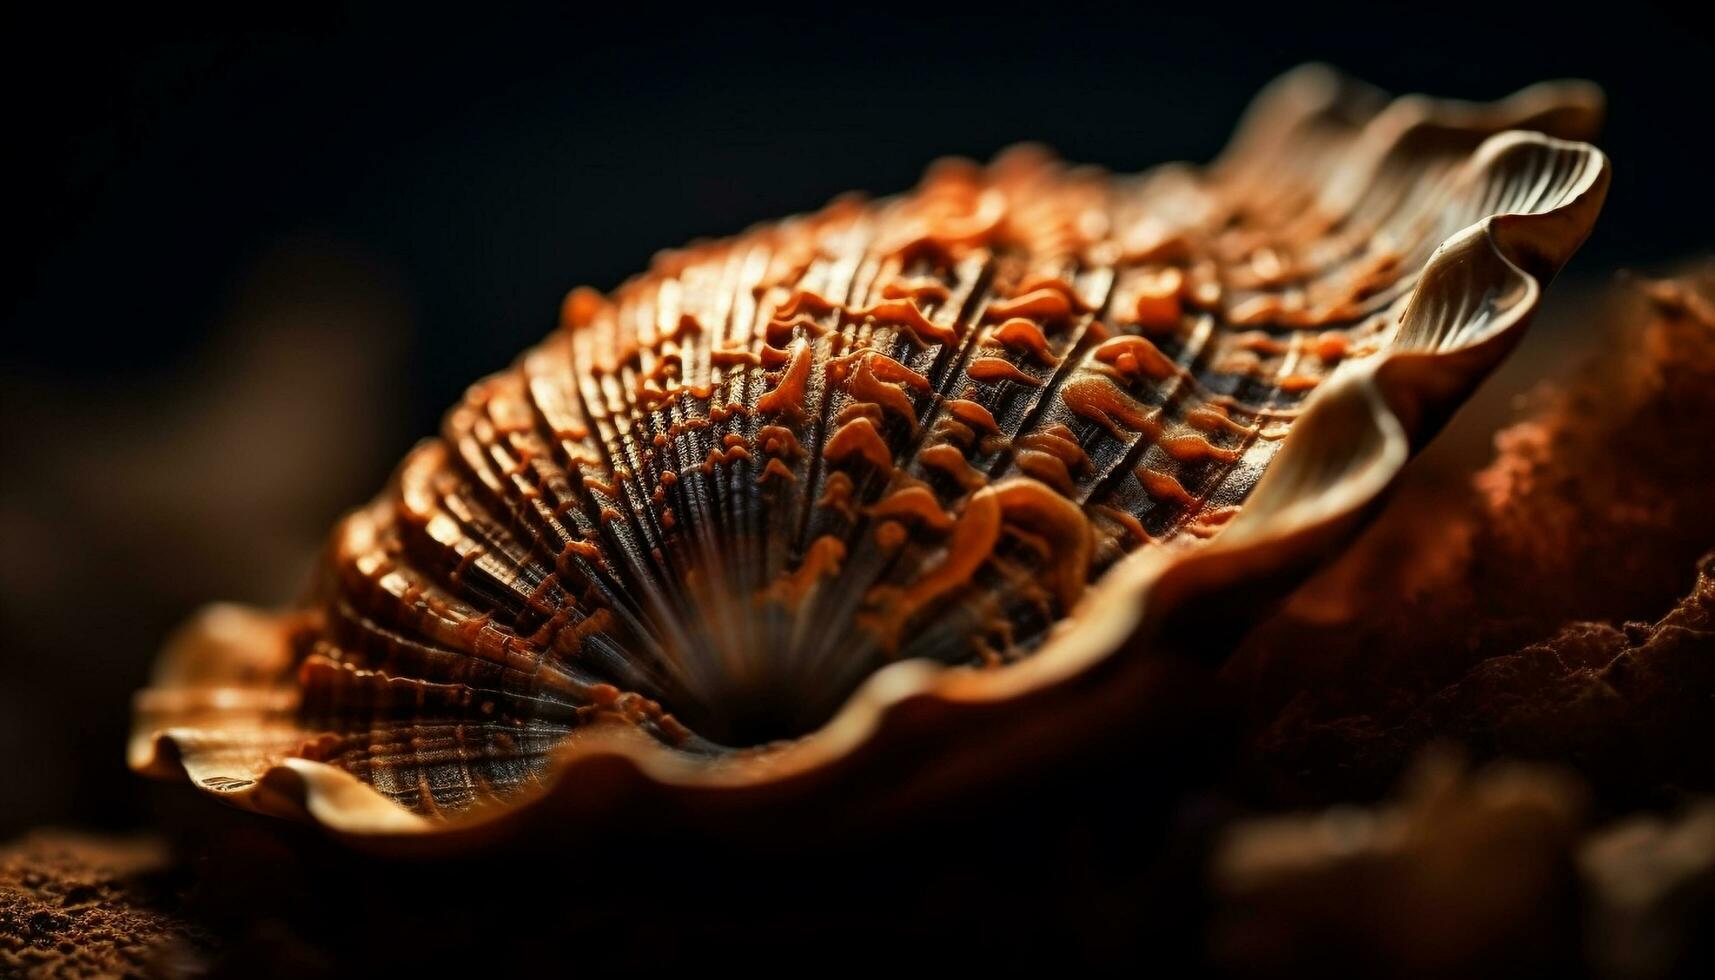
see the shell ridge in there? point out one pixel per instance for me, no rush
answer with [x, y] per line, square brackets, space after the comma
[614, 525]
[816, 436]
[1105, 485]
[840, 334]
[588, 502]
[946, 376]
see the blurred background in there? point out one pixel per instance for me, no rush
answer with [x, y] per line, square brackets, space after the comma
[255, 255]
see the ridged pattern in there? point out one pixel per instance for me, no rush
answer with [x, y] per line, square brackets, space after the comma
[717, 500]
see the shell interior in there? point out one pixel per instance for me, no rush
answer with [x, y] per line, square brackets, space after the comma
[716, 501]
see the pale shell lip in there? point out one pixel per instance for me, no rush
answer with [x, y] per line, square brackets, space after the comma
[1470, 304]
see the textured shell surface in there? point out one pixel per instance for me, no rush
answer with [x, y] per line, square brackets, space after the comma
[950, 449]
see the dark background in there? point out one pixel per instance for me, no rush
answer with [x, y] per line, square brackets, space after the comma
[253, 259]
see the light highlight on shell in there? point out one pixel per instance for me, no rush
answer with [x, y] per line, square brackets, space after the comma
[881, 479]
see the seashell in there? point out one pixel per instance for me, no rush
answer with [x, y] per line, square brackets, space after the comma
[916, 479]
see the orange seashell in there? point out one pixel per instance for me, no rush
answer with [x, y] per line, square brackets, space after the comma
[875, 483]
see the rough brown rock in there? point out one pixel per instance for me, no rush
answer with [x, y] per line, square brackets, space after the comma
[1465, 875]
[1547, 605]
[79, 906]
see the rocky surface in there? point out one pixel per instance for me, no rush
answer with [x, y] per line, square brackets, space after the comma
[80, 906]
[1551, 602]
